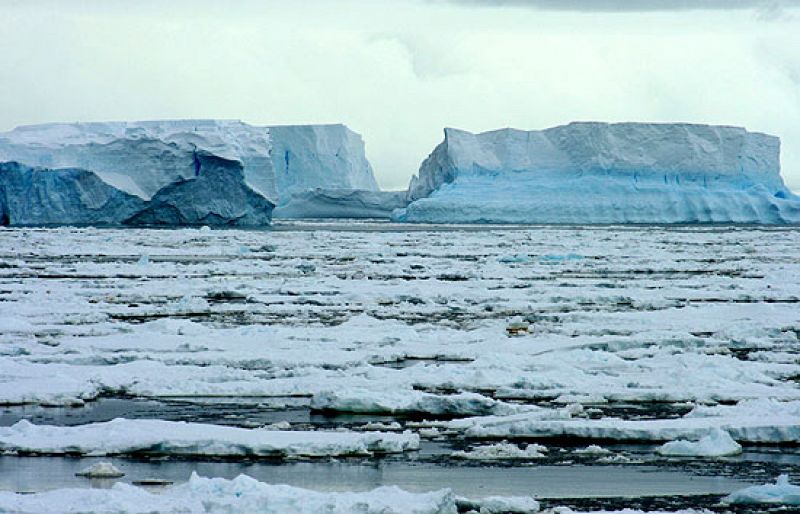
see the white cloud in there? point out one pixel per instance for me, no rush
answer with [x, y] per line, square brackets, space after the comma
[398, 72]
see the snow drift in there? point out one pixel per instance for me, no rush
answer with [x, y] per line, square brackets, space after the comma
[603, 173]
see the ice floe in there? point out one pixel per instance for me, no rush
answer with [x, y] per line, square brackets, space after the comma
[503, 451]
[101, 470]
[123, 436]
[718, 443]
[742, 423]
[242, 495]
[781, 492]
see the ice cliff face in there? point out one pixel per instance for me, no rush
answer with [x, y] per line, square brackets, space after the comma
[603, 173]
[141, 159]
[307, 157]
[30, 196]
[217, 195]
[197, 200]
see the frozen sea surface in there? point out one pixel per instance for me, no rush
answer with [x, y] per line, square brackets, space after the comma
[565, 336]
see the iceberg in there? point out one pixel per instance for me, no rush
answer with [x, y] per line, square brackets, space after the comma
[603, 173]
[341, 203]
[133, 160]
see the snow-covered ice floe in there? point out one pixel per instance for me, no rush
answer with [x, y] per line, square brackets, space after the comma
[101, 470]
[304, 313]
[364, 400]
[781, 492]
[502, 451]
[176, 172]
[242, 495]
[603, 173]
[718, 443]
[124, 436]
[710, 427]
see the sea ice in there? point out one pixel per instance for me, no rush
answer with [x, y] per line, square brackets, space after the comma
[404, 402]
[743, 424]
[242, 495]
[502, 451]
[123, 436]
[718, 443]
[101, 470]
[781, 492]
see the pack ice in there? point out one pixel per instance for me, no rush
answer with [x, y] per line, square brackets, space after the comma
[174, 172]
[590, 172]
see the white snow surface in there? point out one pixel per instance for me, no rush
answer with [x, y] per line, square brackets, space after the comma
[781, 492]
[589, 172]
[141, 157]
[125, 436]
[718, 443]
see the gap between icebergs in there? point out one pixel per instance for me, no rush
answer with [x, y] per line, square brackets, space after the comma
[124, 436]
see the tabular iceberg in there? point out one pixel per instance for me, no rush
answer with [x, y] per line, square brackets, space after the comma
[603, 173]
[140, 159]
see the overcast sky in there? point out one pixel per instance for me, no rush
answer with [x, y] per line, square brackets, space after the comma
[398, 71]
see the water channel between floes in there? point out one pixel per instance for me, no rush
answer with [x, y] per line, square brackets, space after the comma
[32, 474]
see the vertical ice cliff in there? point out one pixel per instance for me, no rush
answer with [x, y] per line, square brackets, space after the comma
[142, 158]
[603, 173]
[197, 200]
[307, 157]
[70, 196]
